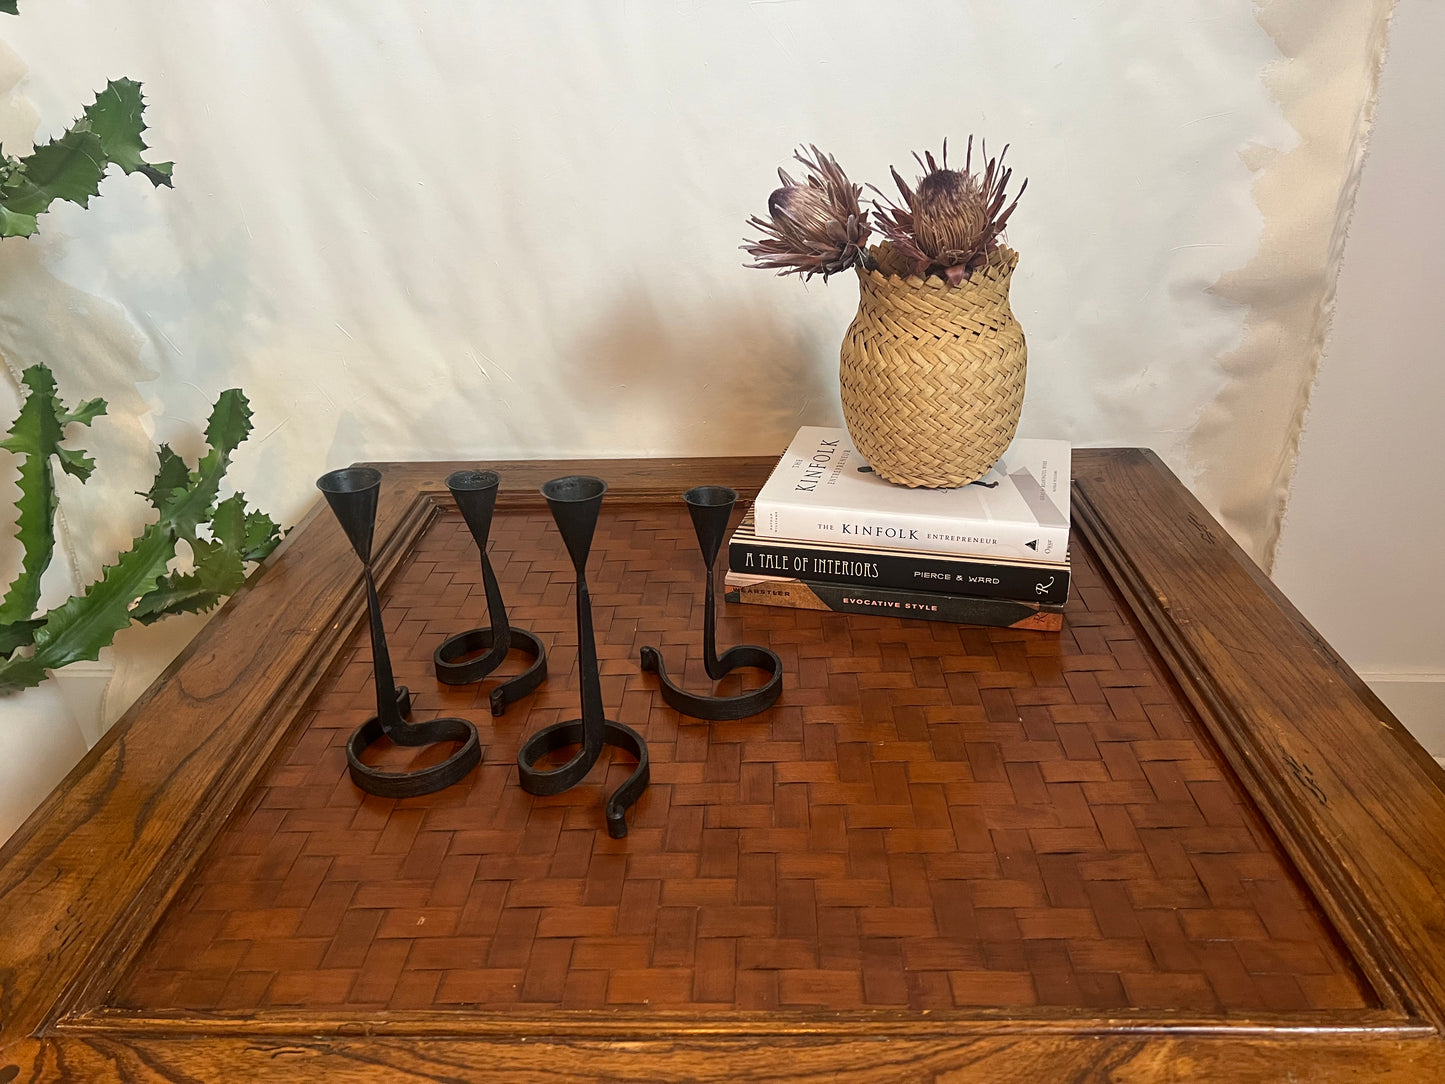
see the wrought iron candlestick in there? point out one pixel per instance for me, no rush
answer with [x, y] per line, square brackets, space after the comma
[711, 506]
[352, 493]
[475, 492]
[575, 502]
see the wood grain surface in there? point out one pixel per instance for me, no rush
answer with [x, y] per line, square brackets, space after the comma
[1140, 1058]
[933, 816]
[116, 861]
[1323, 762]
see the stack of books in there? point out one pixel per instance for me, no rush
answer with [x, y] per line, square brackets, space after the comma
[827, 534]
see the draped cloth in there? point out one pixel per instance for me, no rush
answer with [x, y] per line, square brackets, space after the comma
[490, 230]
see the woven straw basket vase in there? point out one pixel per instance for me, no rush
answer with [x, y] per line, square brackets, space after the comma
[933, 375]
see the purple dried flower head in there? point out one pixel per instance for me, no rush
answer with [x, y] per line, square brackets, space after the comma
[817, 227]
[952, 220]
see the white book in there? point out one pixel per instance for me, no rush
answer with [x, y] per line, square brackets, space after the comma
[822, 490]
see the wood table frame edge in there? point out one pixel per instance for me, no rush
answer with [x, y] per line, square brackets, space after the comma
[75, 936]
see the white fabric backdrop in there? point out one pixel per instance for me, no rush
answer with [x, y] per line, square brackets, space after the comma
[509, 230]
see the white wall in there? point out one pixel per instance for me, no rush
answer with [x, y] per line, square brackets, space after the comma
[1364, 534]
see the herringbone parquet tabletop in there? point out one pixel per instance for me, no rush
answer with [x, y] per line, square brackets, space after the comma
[933, 816]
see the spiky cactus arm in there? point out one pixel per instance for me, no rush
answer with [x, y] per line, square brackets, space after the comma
[117, 116]
[36, 437]
[87, 623]
[237, 537]
[71, 166]
[185, 499]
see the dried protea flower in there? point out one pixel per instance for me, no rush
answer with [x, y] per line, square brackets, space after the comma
[950, 216]
[817, 227]
[952, 221]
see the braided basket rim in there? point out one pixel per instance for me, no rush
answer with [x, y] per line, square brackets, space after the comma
[1002, 262]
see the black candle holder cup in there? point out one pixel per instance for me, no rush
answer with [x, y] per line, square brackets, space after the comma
[352, 493]
[711, 507]
[575, 502]
[470, 656]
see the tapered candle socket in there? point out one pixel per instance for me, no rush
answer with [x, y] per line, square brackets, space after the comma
[352, 494]
[575, 502]
[475, 494]
[710, 508]
[471, 655]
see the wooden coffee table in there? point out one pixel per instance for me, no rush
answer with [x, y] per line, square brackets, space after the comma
[1178, 840]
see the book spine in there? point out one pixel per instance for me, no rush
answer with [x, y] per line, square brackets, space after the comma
[901, 571]
[882, 602]
[1025, 542]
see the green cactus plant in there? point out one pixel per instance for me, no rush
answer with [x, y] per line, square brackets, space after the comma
[71, 166]
[224, 537]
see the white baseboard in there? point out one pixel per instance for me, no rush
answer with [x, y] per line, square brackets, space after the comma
[82, 687]
[1418, 701]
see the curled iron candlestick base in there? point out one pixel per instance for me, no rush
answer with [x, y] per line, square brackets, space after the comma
[710, 507]
[464, 644]
[352, 494]
[409, 784]
[575, 502]
[470, 656]
[721, 708]
[573, 732]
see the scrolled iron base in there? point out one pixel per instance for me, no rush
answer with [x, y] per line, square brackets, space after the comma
[556, 780]
[721, 708]
[451, 672]
[426, 780]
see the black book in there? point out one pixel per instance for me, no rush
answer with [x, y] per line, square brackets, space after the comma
[824, 562]
[886, 602]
